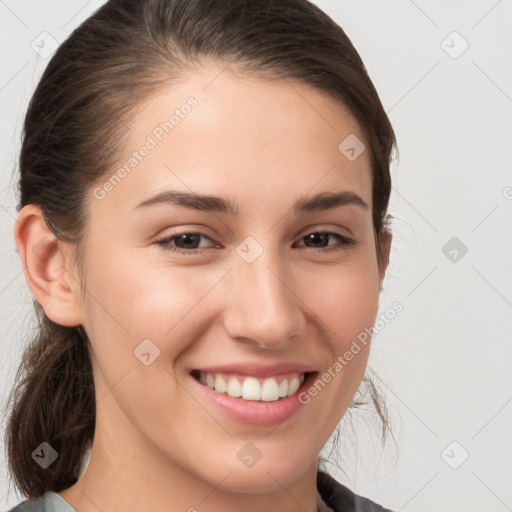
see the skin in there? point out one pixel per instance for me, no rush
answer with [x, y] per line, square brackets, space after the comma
[159, 445]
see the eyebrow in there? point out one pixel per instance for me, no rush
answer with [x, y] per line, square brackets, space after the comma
[208, 203]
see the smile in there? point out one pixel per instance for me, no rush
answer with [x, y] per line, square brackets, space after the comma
[269, 389]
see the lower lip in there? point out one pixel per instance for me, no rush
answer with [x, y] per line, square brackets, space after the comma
[256, 412]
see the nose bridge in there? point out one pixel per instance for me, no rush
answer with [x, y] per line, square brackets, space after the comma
[263, 306]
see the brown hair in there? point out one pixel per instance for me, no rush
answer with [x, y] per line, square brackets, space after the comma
[73, 133]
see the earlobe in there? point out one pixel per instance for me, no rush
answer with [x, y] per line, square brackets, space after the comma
[45, 267]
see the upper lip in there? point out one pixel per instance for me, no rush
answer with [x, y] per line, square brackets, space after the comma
[258, 370]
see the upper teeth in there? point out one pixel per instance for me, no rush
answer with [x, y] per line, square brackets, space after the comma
[251, 388]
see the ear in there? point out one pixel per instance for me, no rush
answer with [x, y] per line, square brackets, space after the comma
[46, 263]
[385, 247]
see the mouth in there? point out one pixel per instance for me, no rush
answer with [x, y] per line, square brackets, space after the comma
[250, 388]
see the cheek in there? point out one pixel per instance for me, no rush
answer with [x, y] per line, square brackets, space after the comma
[157, 300]
[346, 299]
[346, 304]
[128, 305]
[139, 297]
[134, 299]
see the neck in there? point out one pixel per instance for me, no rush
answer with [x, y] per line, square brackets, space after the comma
[117, 478]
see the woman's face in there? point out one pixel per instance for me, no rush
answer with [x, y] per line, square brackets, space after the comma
[253, 287]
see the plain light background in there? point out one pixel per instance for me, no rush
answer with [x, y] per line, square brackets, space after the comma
[445, 360]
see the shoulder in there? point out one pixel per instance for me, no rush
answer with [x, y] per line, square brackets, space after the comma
[49, 502]
[340, 498]
[33, 505]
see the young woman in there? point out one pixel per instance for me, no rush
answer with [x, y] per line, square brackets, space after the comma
[203, 225]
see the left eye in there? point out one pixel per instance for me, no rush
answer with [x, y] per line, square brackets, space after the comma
[344, 241]
[190, 238]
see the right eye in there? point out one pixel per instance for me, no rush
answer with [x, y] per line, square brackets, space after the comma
[185, 238]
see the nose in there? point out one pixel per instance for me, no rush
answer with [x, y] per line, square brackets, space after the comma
[263, 308]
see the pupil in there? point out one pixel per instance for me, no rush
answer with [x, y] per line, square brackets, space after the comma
[313, 236]
[187, 236]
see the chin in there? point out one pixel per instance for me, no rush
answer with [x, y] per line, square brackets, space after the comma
[269, 476]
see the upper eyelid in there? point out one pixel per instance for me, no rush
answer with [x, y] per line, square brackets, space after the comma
[203, 229]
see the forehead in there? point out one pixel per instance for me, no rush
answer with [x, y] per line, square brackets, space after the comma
[249, 139]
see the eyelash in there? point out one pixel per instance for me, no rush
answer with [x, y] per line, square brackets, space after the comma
[165, 243]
